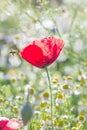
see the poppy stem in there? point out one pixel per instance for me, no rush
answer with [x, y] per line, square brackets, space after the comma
[51, 103]
[27, 97]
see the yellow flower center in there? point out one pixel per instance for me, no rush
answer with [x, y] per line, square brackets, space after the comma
[74, 128]
[65, 86]
[69, 78]
[60, 95]
[17, 36]
[79, 72]
[55, 80]
[43, 104]
[85, 64]
[82, 81]
[31, 90]
[13, 79]
[77, 87]
[1, 100]
[15, 109]
[55, 122]
[46, 117]
[81, 117]
[61, 123]
[45, 94]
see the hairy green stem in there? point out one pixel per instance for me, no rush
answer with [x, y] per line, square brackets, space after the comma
[27, 101]
[27, 97]
[51, 103]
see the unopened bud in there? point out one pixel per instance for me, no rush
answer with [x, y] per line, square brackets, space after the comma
[26, 112]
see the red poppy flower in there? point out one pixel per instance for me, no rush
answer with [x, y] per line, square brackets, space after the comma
[43, 52]
[12, 124]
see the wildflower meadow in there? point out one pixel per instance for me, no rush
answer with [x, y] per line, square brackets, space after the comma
[43, 65]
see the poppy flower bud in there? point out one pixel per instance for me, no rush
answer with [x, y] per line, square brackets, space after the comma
[26, 112]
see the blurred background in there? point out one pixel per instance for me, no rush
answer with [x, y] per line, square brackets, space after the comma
[22, 21]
